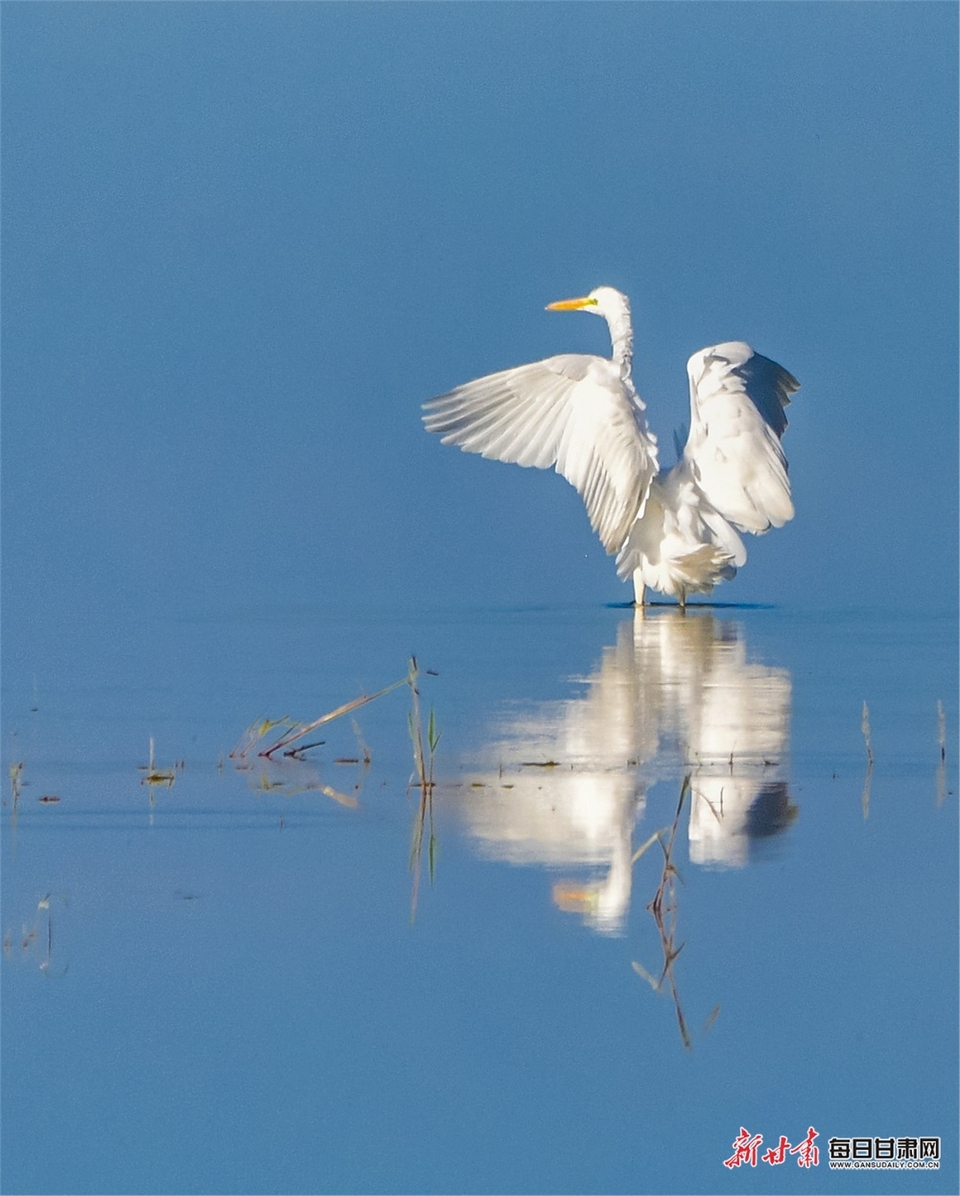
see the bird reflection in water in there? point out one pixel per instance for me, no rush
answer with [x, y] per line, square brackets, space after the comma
[565, 783]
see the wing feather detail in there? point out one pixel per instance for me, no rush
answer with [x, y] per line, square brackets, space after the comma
[573, 412]
[737, 417]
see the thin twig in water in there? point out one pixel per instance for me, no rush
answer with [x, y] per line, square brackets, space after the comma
[299, 731]
[344, 799]
[16, 783]
[865, 728]
[942, 730]
[255, 732]
[154, 776]
[423, 759]
[649, 843]
[365, 752]
[645, 975]
[665, 914]
[942, 766]
[36, 940]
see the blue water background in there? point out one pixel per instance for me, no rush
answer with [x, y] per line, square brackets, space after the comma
[241, 245]
[237, 997]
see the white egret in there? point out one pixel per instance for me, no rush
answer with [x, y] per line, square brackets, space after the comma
[673, 530]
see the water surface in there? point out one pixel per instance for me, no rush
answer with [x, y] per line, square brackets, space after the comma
[676, 881]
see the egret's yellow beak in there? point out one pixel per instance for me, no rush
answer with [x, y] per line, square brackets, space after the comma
[572, 304]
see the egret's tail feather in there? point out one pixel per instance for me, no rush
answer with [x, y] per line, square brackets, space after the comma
[681, 545]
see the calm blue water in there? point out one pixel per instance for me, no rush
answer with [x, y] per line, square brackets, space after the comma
[218, 982]
[242, 244]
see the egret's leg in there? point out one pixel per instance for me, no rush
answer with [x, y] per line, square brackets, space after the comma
[639, 589]
[683, 598]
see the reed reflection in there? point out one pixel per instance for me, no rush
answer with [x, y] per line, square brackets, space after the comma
[565, 783]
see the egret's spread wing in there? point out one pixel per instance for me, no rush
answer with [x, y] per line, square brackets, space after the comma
[737, 401]
[574, 412]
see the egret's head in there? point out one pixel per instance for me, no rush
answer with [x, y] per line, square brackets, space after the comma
[602, 301]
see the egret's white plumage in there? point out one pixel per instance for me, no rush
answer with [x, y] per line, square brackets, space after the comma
[674, 530]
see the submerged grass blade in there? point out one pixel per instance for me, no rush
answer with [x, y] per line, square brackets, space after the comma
[343, 798]
[422, 778]
[865, 729]
[254, 733]
[645, 975]
[649, 843]
[942, 741]
[300, 731]
[663, 908]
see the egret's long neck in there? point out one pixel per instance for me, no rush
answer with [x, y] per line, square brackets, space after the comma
[621, 334]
